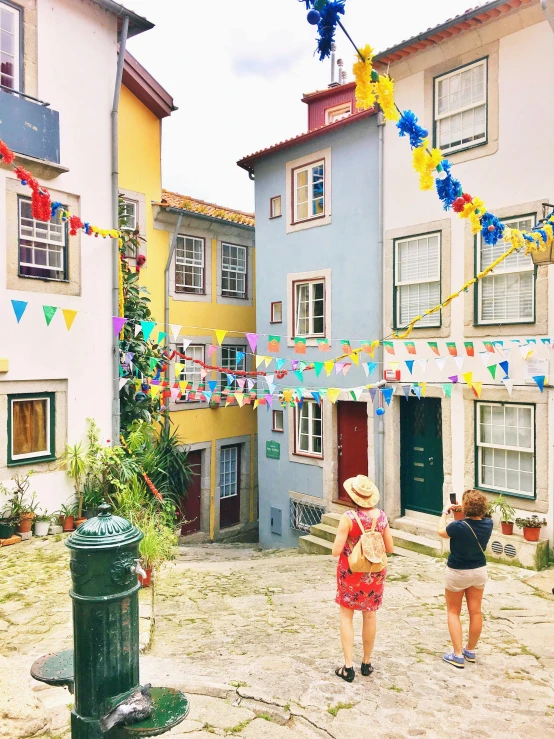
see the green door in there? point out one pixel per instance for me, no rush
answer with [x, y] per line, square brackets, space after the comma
[421, 471]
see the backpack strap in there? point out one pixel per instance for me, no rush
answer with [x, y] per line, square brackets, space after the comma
[360, 524]
[475, 535]
[374, 524]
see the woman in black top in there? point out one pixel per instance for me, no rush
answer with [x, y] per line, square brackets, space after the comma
[466, 572]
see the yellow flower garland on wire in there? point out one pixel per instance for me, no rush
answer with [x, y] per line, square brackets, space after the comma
[365, 94]
[425, 163]
[384, 90]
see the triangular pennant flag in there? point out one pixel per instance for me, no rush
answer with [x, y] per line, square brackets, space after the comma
[406, 389]
[268, 361]
[508, 384]
[239, 357]
[50, 312]
[470, 350]
[179, 367]
[459, 362]
[318, 366]
[280, 363]
[468, 378]
[155, 391]
[417, 391]
[423, 364]
[240, 399]
[484, 358]
[452, 350]
[19, 308]
[175, 392]
[252, 341]
[434, 347]
[316, 396]
[220, 335]
[410, 365]
[539, 379]
[123, 381]
[477, 387]
[423, 386]
[453, 379]
[175, 330]
[333, 394]
[300, 345]
[211, 350]
[355, 357]
[300, 375]
[529, 341]
[161, 336]
[447, 390]
[365, 366]
[372, 393]
[441, 361]
[492, 369]
[268, 378]
[545, 341]
[410, 347]
[505, 366]
[389, 347]
[269, 400]
[147, 328]
[358, 391]
[212, 384]
[372, 366]
[329, 366]
[345, 347]
[69, 317]
[338, 367]
[129, 356]
[138, 329]
[488, 346]
[230, 379]
[208, 395]
[369, 347]
[323, 345]
[526, 351]
[203, 373]
[387, 394]
[258, 360]
[346, 369]
[187, 343]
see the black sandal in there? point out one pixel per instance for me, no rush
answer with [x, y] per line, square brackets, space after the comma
[367, 669]
[346, 673]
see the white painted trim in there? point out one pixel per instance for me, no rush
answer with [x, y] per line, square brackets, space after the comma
[316, 156]
[324, 274]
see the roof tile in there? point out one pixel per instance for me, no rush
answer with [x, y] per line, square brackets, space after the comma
[185, 202]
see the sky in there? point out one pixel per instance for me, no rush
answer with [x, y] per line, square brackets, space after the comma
[237, 70]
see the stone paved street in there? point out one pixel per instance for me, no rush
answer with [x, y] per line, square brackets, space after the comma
[252, 638]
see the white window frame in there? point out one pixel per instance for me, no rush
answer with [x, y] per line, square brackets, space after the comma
[41, 234]
[311, 284]
[230, 267]
[275, 207]
[16, 458]
[434, 319]
[191, 371]
[274, 425]
[11, 10]
[231, 370]
[507, 267]
[309, 168]
[192, 263]
[308, 409]
[228, 454]
[134, 218]
[338, 113]
[274, 318]
[439, 117]
[480, 445]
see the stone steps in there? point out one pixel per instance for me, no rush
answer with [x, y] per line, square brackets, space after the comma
[418, 526]
[416, 543]
[323, 531]
[314, 545]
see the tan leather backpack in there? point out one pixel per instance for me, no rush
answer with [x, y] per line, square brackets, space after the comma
[369, 554]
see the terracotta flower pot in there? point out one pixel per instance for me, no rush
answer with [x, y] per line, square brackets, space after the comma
[67, 523]
[146, 581]
[458, 515]
[79, 521]
[507, 527]
[531, 534]
[26, 523]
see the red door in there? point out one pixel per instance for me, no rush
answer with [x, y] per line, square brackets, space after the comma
[352, 443]
[190, 507]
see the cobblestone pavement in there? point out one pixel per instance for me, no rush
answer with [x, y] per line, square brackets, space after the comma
[252, 638]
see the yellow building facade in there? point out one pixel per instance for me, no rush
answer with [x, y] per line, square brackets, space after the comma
[200, 272]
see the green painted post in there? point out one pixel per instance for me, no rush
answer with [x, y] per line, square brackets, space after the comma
[104, 556]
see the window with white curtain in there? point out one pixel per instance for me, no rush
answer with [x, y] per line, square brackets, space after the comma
[461, 107]
[508, 294]
[309, 300]
[417, 279]
[10, 29]
[506, 448]
[309, 429]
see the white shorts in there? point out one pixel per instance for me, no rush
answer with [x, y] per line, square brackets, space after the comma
[458, 580]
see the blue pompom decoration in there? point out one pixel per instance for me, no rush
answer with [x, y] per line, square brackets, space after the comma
[327, 27]
[542, 233]
[492, 229]
[380, 411]
[448, 188]
[408, 126]
[54, 208]
[23, 182]
[314, 17]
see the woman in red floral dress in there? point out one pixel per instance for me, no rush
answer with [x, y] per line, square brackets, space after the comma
[359, 591]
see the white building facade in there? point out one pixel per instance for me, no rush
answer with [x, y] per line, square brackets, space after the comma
[64, 53]
[478, 85]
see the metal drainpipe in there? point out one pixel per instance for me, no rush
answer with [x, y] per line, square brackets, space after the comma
[116, 414]
[379, 426]
[547, 10]
[166, 295]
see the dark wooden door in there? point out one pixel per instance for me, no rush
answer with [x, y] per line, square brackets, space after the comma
[352, 443]
[190, 507]
[229, 486]
[421, 469]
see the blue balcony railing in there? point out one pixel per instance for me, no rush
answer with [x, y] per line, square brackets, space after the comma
[29, 127]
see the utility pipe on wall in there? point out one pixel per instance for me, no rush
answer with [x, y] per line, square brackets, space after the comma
[166, 294]
[379, 426]
[115, 219]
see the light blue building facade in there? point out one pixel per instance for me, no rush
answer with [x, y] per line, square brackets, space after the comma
[317, 276]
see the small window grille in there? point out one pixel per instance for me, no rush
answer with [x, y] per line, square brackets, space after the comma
[304, 515]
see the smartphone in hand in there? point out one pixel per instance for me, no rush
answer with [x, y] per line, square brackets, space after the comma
[453, 498]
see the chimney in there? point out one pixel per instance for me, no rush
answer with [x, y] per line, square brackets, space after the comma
[342, 74]
[333, 65]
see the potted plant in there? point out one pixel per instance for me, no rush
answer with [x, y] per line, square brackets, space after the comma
[55, 523]
[74, 461]
[531, 527]
[507, 514]
[457, 512]
[92, 498]
[42, 523]
[8, 519]
[67, 517]
[22, 504]
[156, 547]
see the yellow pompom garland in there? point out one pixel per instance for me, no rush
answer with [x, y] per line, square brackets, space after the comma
[365, 93]
[384, 89]
[425, 162]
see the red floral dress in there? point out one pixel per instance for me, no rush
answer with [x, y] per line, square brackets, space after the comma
[360, 591]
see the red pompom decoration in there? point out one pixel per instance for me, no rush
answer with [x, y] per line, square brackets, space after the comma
[75, 223]
[467, 197]
[491, 227]
[458, 205]
[7, 154]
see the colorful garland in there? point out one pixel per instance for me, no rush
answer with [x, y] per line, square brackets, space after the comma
[42, 207]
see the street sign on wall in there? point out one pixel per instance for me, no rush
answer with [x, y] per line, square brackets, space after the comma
[273, 450]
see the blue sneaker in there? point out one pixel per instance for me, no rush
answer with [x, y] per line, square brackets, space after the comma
[453, 660]
[469, 654]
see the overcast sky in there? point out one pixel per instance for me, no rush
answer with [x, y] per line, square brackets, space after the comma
[237, 70]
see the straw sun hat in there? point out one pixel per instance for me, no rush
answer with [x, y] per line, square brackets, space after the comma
[362, 490]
